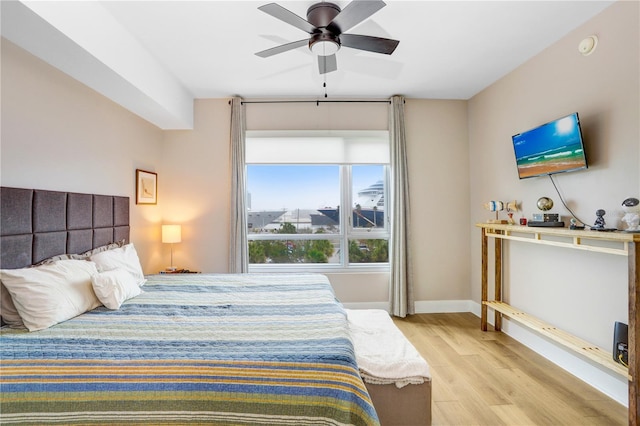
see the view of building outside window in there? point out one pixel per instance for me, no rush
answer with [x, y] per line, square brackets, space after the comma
[295, 214]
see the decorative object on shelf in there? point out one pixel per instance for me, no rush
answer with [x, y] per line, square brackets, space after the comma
[575, 224]
[545, 203]
[545, 219]
[495, 206]
[146, 187]
[599, 223]
[512, 206]
[631, 206]
[171, 234]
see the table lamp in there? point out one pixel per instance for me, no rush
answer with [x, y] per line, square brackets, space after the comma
[171, 234]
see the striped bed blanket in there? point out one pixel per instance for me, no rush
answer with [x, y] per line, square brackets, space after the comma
[193, 348]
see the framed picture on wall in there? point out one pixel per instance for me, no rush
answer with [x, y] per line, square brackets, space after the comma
[146, 187]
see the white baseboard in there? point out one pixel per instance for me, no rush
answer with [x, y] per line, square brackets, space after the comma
[442, 306]
[606, 381]
[422, 307]
[367, 305]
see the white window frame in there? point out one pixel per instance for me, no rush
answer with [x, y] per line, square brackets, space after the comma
[347, 231]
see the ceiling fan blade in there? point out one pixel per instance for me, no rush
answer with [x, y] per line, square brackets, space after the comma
[356, 12]
[327, 64]
[287, 16]
[282, 48]
[369, 43]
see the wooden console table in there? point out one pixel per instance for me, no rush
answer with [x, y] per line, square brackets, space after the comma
[629, 246]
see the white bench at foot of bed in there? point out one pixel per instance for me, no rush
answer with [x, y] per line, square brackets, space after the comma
[395, 374]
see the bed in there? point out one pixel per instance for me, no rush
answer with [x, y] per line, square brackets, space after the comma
[196, 348]
[396, 375]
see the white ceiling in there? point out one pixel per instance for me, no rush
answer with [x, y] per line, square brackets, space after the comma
[170, 52]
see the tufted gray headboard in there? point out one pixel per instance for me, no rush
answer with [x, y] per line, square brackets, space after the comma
[37, 224]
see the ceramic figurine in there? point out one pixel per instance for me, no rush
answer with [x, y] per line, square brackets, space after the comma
[599, 223]
[512, 206]
[632, 216]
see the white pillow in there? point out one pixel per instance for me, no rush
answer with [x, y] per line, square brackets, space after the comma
[48, 294]
[114, 287]
[124, 257]
[100, 249]
[8, 310]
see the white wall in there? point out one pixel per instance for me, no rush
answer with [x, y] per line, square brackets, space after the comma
[583, 293]
[197, 180]
[59, 135]
[437, 147]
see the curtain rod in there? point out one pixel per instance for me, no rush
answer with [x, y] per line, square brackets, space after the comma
[317, 102]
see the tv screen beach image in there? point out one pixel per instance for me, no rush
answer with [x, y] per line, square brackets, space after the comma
[551, 148]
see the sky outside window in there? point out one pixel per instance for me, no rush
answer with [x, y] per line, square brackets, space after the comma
[278, 187]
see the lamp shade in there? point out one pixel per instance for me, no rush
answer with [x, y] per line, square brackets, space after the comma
[171, 233]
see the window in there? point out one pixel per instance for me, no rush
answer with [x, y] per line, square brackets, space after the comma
[296, 185]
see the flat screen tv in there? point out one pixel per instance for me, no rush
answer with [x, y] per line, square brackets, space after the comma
[554, 147]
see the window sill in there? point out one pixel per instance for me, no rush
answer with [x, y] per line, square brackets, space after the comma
[323, 269]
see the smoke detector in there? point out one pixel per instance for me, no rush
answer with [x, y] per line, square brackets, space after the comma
[588, 45]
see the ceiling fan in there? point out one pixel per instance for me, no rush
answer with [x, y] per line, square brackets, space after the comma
[327, 24]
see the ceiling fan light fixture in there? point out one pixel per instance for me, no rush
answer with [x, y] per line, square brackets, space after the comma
[324, 47]
[326, 25]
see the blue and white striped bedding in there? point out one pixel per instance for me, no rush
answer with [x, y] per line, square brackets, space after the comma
[193, 348]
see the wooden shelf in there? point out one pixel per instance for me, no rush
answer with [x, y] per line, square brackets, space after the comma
[615, 243]
[580, 346]
[586, 234]
[575, 239]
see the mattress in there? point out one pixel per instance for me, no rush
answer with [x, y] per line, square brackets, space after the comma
[196, 348]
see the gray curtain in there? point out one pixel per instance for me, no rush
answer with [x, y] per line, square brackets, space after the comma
[238, 250]
[401, 290]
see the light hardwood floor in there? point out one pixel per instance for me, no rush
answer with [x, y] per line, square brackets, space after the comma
[488, 378]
